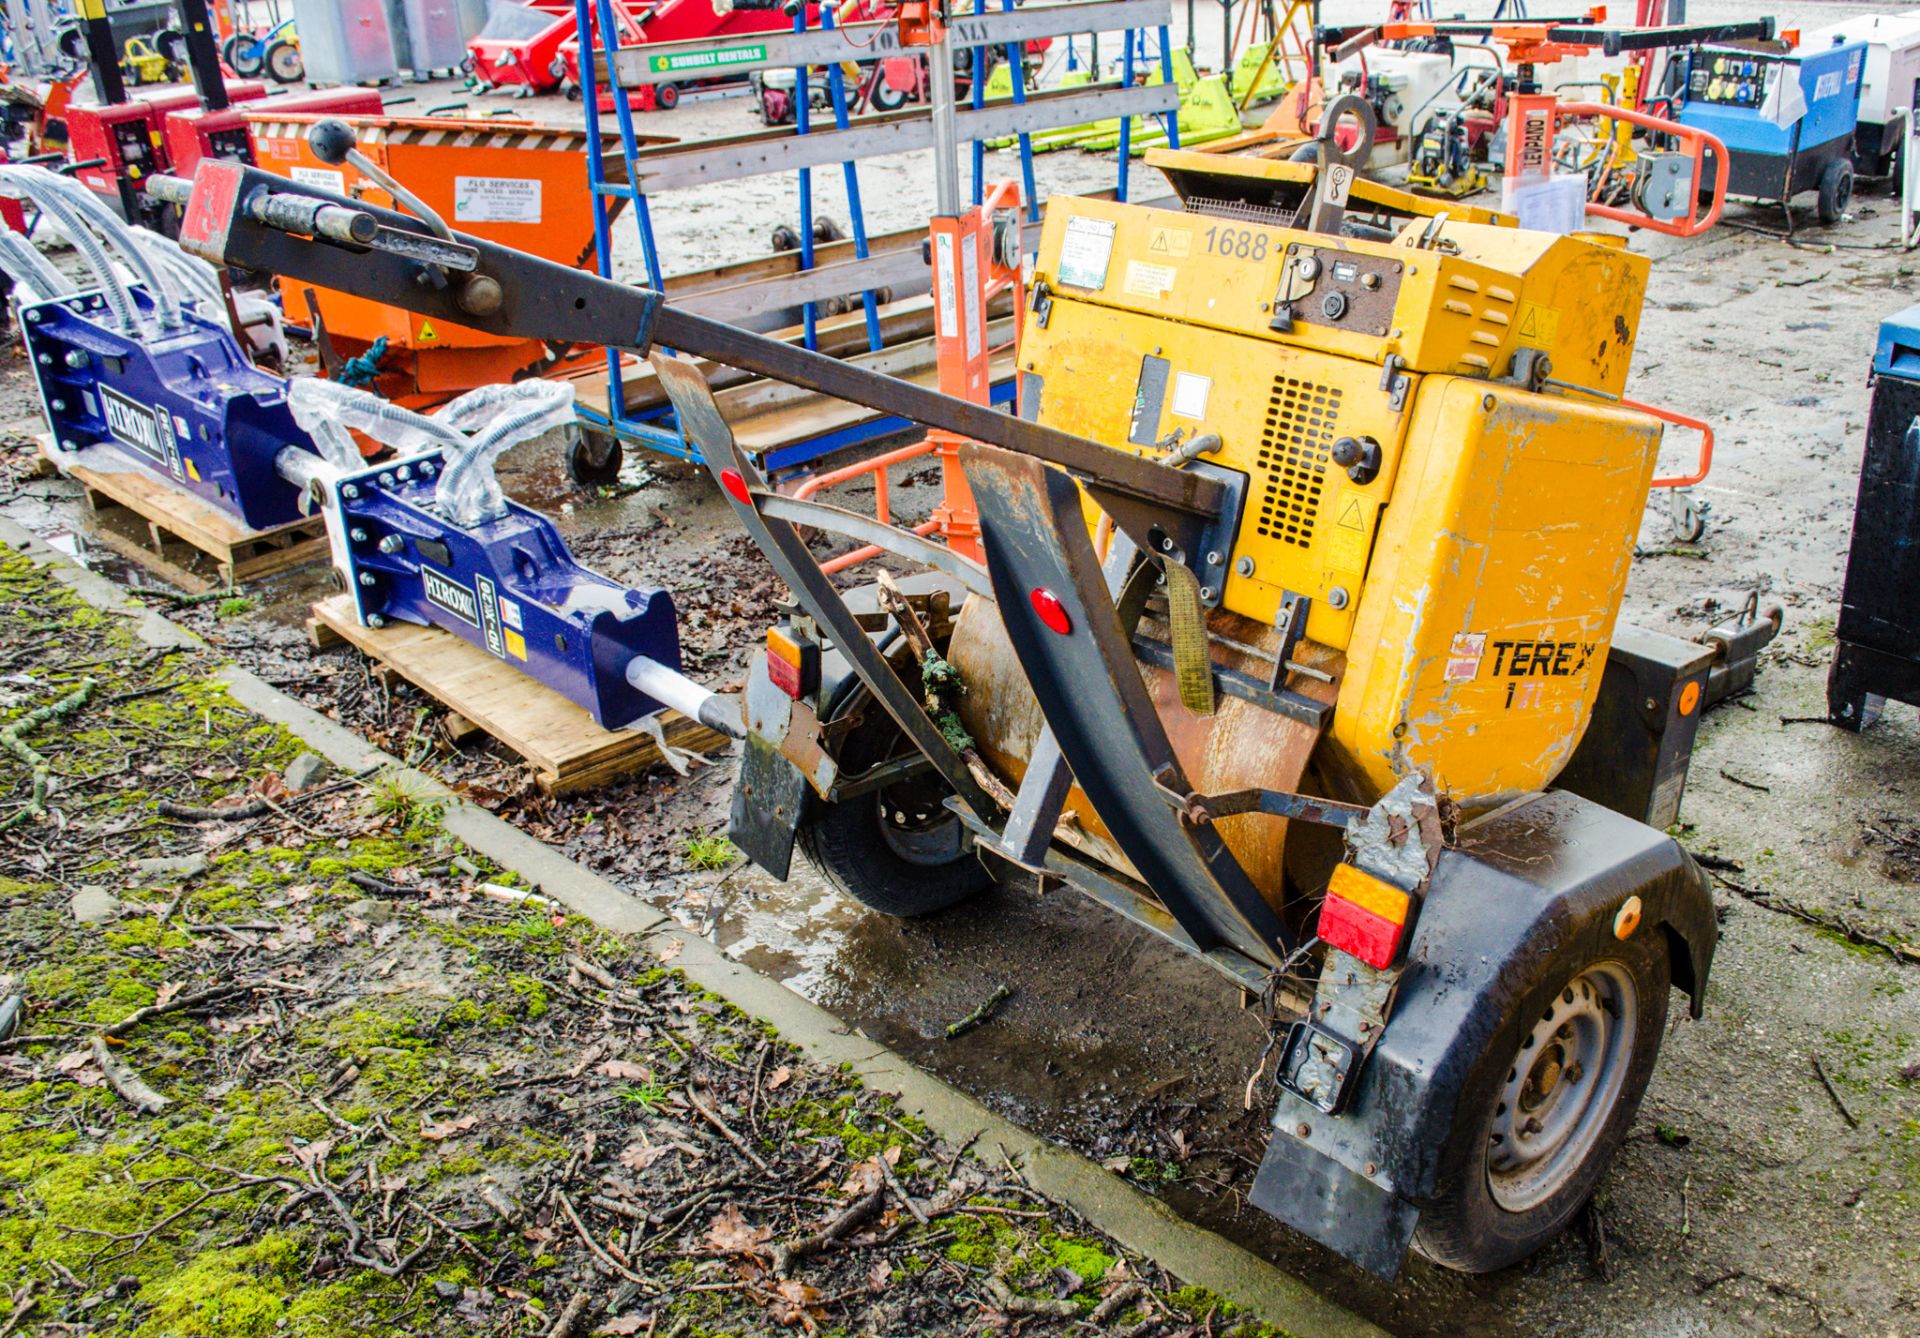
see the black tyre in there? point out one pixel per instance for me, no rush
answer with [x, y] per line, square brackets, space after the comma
[666, 97]
[884, 99]
[1836, 190]
[242, 55]
[1547, 1106]
[896, 850]
[285, 64]
[594, 460]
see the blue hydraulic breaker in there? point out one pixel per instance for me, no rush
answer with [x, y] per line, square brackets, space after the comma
[428, 538]
[149, 371]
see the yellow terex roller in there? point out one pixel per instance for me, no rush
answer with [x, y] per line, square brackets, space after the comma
[1295, 641]
[1251, 717]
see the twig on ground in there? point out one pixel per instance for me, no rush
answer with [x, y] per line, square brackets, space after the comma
[125, 1080]
[860, 1210]
[1015, 1304]
[1122, 1297]
[598, 1251]
[39, 770]
[210, 994]
[966, 1024]
[1820, 1072]
[569, 1319]
[726, 1132]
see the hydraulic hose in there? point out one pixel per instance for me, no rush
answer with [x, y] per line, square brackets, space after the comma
[32, 271]
[119, 301]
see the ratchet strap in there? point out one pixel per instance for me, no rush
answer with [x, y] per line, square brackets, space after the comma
[1192, 667]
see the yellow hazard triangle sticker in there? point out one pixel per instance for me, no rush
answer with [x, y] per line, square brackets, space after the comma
[428, 335]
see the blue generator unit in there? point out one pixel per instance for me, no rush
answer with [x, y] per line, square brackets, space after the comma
[1786, 114]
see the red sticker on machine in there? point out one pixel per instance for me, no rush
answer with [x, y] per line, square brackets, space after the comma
[209, 213]
[1463, 658]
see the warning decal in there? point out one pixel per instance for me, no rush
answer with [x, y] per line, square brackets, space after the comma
[1170, 243]
[1537, 325]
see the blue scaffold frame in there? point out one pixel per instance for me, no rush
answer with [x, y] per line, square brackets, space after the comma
[654, 428]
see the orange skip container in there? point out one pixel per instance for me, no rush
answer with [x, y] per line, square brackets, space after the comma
[505, 180]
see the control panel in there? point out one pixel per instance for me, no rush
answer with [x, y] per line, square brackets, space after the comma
[1342, 289]
[1729, 78]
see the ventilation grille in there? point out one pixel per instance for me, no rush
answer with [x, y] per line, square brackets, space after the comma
[1302, 421]
[1242, 211]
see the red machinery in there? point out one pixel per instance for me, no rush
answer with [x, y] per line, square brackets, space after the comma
[194, 133]
[520, 44]
[130, 137]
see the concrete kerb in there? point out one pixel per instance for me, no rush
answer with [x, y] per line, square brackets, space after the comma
[1137, 1220]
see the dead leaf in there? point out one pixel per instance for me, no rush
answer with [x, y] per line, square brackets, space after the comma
[639, 1156]
[624, 1325]
[730, 1231]
[801, 1301]
[1116, 1163]
[672, 950]
[625, 1069]
[72, 1061]
[435, 1133]
[314, 1152]
[779, 1078]
[168, 992]
[879, 1276]
[866, 1177]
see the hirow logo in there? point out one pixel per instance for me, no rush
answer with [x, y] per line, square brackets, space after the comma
[146, 430]
[451, 596]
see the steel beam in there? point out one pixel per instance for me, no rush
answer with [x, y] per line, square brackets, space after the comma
[676, 166]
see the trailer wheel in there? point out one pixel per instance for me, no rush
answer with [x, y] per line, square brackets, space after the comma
[243, 55]
[897, 850]
[666, 96]
[1547, 1107]
[1836, 190]
[285, 63]
[594, 459]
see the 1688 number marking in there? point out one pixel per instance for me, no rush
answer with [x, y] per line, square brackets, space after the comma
[1240, 243]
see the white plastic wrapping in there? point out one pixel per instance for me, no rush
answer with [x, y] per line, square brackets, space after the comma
[327, 410]
[496, 417]
[33, 274]
[472, 430]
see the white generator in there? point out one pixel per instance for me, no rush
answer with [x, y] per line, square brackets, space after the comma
[1887, 85]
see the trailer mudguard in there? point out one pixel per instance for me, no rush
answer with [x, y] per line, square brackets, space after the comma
[1529, 886]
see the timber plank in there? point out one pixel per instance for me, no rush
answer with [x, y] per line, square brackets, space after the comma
[567, 750]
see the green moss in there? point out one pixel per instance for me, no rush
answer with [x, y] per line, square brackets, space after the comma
[238, 1292]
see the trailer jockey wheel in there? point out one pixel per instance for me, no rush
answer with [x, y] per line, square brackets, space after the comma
[897, 850]
[594, 459]
[1548, 1104]
[284, 62]
[666, 96]
[1836, 190]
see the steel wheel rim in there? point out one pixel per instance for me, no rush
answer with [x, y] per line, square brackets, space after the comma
[1561, 1087]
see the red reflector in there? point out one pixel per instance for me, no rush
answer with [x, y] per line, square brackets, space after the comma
[736, 486]
[786, 677]
[1051, 611]
[1372, 938]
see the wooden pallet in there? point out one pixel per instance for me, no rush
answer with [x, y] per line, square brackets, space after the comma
[174, 519]
[567, 749]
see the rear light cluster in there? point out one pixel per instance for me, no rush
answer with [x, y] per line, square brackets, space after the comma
[1364, 916]
[793, 662]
